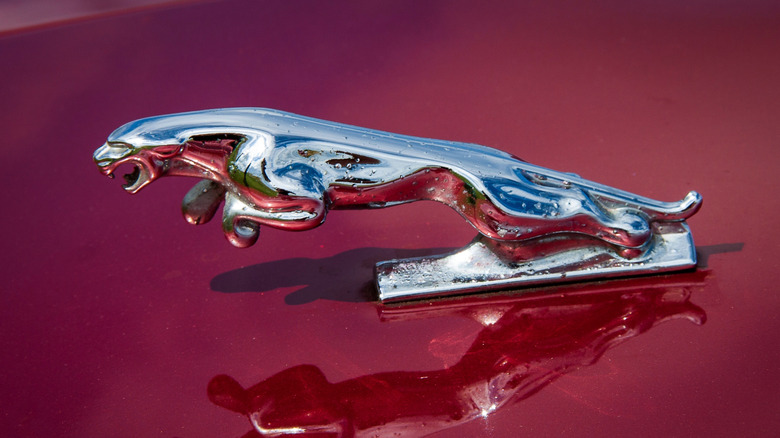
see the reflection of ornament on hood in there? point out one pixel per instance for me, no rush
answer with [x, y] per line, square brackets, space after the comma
[531, 343]
[286, 171]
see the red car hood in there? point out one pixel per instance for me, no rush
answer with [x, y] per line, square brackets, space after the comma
[120, 319]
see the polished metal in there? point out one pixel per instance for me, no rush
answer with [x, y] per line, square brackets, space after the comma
[286, 171]
[481, 266]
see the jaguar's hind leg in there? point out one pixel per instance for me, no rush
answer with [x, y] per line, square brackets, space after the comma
[627, 229]
[622, 227]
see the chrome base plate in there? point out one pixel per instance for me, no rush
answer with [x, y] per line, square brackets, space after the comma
[479, 266]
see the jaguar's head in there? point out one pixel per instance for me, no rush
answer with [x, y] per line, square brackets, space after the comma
[114, 153]
[207, 145]
[168, 145]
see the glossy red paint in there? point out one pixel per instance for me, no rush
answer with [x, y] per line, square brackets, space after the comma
[526, 344]
[116, 314]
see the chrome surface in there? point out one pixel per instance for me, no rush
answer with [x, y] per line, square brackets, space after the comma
[480, 266]
[286, 171]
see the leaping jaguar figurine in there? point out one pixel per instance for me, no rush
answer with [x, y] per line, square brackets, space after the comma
[286, 171]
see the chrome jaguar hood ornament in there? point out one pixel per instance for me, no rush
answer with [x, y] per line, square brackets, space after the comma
[286, 171]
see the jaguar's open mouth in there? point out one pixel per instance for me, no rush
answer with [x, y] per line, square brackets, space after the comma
[132, 178]
[135, 177]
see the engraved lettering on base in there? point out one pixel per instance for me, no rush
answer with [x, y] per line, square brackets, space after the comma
[286, 171]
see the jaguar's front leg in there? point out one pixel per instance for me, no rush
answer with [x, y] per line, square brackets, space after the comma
[202, 201]
[239, 222]
[241, 219]
[200, 205]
